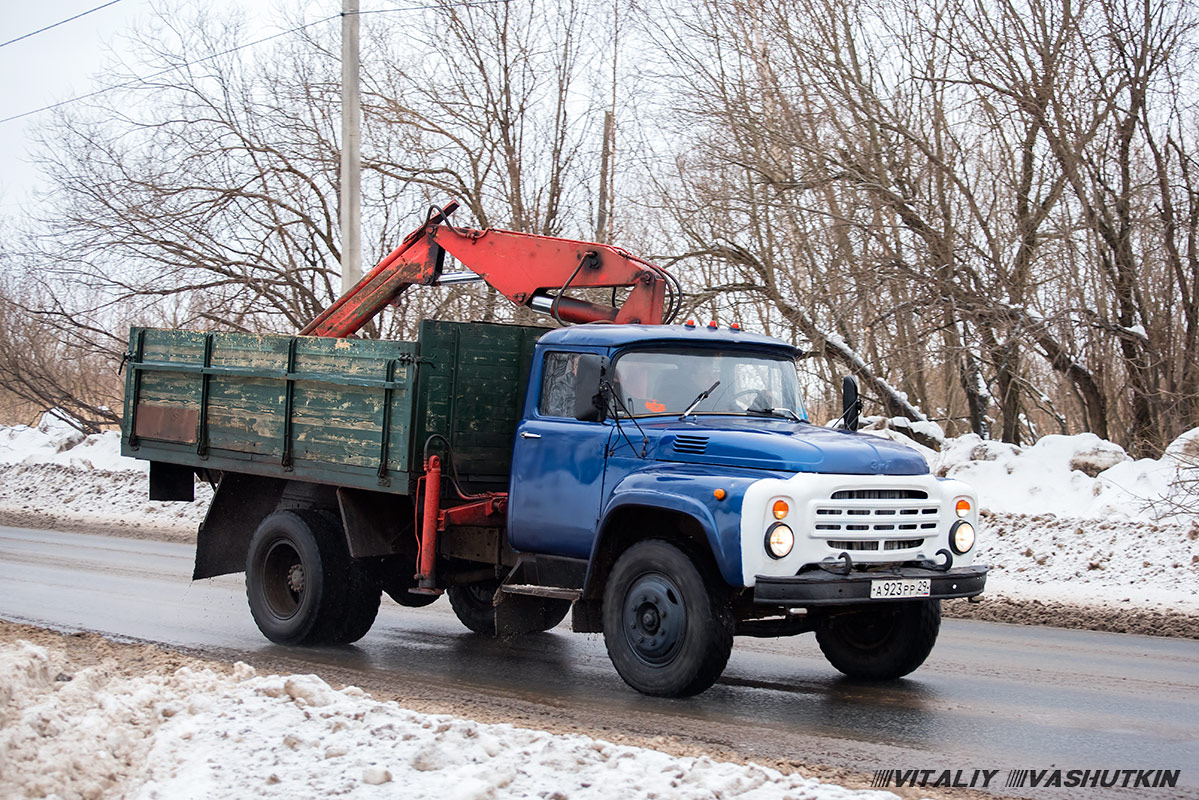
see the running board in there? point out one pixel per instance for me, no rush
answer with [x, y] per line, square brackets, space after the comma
[556, 592]
[553, 577]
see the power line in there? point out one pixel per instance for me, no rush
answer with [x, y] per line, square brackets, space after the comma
[144, 78]
[61, 22]
[175, 68]
[467, 4]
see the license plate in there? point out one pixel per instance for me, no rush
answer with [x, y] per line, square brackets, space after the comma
[900, 587]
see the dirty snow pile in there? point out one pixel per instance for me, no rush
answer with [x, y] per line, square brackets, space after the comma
[194, 733]
[51, 474]
[1075, 519]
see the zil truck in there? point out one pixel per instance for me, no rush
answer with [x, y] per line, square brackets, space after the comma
[661, 484]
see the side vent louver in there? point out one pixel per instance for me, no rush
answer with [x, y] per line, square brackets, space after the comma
[690, 444]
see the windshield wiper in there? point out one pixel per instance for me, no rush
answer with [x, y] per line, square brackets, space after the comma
[702, 397]
[777, 411]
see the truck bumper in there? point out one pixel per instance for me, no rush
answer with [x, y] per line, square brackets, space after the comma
[820, 588]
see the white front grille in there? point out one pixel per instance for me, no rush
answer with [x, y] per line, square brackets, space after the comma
[888, 519]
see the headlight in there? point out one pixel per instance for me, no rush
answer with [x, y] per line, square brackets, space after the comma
[963, 507]
[961, 537]
[779, 540]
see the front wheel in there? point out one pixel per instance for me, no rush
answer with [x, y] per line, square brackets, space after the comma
[667, 628]
[881, 642]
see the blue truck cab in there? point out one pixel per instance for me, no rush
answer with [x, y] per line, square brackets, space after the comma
[677, 467]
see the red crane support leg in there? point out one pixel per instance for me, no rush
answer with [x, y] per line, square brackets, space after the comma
[428, 534]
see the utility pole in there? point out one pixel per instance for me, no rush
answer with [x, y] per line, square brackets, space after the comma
[607, 188]
[601, 219]
[351, 142]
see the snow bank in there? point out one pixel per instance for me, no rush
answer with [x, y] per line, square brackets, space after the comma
[194, 733]
[55, 441]
[1077, 476]
[70, 736]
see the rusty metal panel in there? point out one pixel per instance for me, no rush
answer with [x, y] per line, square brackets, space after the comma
[169, 423]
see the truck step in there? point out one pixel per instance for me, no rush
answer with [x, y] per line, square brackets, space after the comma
[557, 592]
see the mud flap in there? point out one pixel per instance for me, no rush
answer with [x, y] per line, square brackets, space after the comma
[517, 614]
[241, 502]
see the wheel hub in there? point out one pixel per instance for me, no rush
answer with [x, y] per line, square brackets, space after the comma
[295, 578]
[655, 620]
[283, 579]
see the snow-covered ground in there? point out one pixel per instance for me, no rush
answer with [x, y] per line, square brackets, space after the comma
[192, 732]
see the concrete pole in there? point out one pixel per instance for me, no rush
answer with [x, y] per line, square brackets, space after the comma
[351, 142]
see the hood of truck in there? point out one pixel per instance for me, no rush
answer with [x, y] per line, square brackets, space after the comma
[774, 444]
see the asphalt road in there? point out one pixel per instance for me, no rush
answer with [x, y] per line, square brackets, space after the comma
[991, 696]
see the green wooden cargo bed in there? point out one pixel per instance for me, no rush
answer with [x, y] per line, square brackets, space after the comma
[347, 412]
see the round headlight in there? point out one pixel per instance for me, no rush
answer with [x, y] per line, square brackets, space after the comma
[962, 507]
[961, 537]
[779, 540]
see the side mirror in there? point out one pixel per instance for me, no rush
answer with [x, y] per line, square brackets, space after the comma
[590, 405]
[851, 406]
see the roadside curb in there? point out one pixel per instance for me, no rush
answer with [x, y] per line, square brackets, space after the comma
[1109, 619]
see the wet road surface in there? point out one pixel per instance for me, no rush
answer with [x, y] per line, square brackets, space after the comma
[991, 696]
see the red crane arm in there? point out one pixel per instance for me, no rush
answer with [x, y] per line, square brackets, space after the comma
[530, 270]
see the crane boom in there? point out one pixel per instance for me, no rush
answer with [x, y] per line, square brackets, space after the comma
[530, 270]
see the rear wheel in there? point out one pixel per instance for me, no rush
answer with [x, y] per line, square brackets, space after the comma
[881, 642]
[473, 603]
[668, 629]
[302, 585]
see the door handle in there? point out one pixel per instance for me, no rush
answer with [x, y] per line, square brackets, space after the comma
[527, 435]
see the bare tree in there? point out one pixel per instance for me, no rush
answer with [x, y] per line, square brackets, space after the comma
[961, 156]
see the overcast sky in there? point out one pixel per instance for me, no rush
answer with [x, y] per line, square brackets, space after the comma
[47, 68]
[61, 63]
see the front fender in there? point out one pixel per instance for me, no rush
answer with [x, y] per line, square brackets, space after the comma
[688, 490]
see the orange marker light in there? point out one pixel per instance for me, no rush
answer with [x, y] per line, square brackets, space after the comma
[720, 494]
[780, 509]
[963, 507]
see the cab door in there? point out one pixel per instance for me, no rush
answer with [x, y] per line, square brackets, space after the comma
[557, 467]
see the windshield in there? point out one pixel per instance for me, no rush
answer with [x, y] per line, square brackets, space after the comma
[653, 382]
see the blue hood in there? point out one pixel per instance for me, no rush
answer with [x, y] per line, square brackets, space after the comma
[781, 446]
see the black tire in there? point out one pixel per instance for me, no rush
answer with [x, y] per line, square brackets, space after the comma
[881, 642]
[473, 604]
[668, 628]
[302, 585]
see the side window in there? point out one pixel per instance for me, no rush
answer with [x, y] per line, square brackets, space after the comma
[558, 385]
